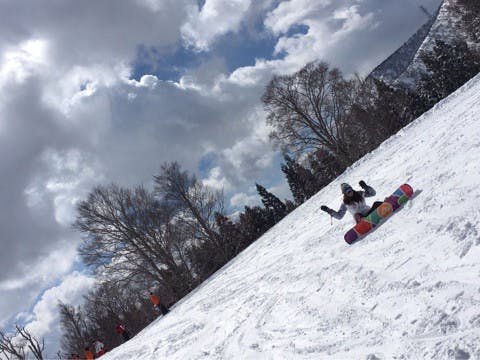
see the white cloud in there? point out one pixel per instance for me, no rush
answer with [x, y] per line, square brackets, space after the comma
[85, 33]
[18, 62]
[217, 180]
[216, 18]
[147, 81]
[43, 322]
[282, 191]
[55, 262]
[328, 27]
[206, 79]
[251, 154]
[67, 177]
[240, 200]
[352, 21]
[64, 91]
[293, 12]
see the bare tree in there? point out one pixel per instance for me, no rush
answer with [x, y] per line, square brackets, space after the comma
[10, 347]
[19, 344]
[110, 304]
[75, 332]
[197, 203]
[131, 238]
[106, 305]
[35, 346]
[310, 110]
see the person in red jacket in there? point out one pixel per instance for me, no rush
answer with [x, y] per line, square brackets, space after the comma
[121, 329]
[158, 304]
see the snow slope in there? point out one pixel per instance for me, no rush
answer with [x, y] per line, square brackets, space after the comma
[409, 290]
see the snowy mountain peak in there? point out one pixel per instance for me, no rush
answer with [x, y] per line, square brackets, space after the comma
[409, 290]
[405, 66]
[396, 64]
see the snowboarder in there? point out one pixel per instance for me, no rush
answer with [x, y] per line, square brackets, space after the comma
[99, 348]
[158, 304]
[121, 329]
[354, 202]
[88, 354]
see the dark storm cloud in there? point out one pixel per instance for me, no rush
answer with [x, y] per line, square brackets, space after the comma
[26, 127]
[92, 31]
[48, 51]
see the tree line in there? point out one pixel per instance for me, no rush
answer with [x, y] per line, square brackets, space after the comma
[324, 122]
[167, 240]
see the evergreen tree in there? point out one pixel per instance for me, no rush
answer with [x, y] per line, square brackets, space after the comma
[272, 203]
[254, 222]
[76, 333]
[296, 176]
[382, 110]
[449, 66]
[471, 18]
[230, 234]
[305, 181]
[325, 167]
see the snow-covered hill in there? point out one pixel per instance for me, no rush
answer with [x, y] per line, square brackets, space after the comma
[405, 66]
[409, 290]
[396, 64]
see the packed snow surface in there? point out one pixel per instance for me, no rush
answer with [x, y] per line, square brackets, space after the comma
[409, 290]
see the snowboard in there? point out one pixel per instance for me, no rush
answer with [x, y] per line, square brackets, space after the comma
[390, 204]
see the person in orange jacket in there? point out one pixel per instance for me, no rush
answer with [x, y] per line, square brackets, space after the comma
[88, 354]
[158, 304]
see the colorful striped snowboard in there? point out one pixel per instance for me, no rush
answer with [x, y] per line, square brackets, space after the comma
[391, 204]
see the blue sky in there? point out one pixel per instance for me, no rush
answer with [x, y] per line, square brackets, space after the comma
[237, 50]
[99, 92]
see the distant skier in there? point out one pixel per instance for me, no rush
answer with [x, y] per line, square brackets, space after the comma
[354, 202]
[158, 304]
[122, 330]
[99, 348]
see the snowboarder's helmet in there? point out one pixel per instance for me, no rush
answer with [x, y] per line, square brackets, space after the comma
[345, 188]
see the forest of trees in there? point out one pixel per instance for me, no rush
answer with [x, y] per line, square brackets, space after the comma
[171, 238]
[167, 241]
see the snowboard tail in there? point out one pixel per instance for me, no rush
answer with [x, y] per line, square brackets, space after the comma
[390, 204]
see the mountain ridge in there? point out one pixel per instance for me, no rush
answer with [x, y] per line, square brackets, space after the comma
[395, 64]
[404, 67]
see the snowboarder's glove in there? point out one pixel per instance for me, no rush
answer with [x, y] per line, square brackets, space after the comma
[326, 209]
[363, 185]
